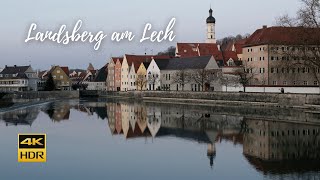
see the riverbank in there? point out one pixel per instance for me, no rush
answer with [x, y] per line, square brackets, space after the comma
[304, 101]
[16, 100]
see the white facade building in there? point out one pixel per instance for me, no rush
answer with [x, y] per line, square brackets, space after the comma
[18, 78]
[153, 76]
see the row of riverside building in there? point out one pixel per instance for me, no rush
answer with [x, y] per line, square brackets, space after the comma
[270, 56]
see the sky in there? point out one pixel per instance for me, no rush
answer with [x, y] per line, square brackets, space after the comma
[232, 17]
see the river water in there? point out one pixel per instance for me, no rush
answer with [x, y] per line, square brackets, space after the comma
[121, 139]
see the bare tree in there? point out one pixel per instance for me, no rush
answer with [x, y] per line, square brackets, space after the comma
[182, 77]
[141, 81]
[245, 76]
[229, 80]
[304, 53]
[170, 51]
[204, 77]
[153, 79]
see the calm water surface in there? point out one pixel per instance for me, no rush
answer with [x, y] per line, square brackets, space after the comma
[113, 139]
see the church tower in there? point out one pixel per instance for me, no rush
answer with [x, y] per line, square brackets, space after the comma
[211, 31]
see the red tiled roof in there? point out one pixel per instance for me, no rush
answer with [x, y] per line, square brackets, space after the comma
[229, 46]
[138, 59]
[65, 69]
[229, 55]
[239, 45]
[117, 58]
[198, 49]
[41, 73]
[284, 36]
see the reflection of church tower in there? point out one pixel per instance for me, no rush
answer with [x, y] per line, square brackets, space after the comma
[211, 25]
[211, 153]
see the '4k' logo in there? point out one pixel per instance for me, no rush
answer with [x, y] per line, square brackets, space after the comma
[32, 148]
[32, 141]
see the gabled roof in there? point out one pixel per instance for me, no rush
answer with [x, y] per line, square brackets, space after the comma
[198, 49]
[14, 69]
[188, 63]
[238, 45]
[162, 63]
[227, 55]
[41, 73]
[146, 64]
[284, 36]
[90, 67]
[102, 74]
[136, 60]
[65, 70]
[136, 66]
[115, 59]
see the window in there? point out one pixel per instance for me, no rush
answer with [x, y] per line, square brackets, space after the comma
[285, 83]
[58, 71]
[316, 83]
[272, 70]
[305, 83]
[275, 83]
[272, 58]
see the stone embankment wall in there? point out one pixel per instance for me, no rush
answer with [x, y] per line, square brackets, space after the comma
[25, 97]
[232, 98]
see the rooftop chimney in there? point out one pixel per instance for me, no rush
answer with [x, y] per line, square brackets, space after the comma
[264, 26]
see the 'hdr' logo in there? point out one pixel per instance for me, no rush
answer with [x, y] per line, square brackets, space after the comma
[32, 148]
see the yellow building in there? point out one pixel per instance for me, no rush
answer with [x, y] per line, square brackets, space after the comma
[60, 77]
[141, 80]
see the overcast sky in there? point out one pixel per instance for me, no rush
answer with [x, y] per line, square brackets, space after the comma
[232, 17]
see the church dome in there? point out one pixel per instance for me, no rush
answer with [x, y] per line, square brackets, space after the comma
[211, 19]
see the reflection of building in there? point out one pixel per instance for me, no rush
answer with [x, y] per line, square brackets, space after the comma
[211, 153]
[272, 146]
[139, 120]
[24, 116]
[58, 111]
[269, 140]
[118, 118]
[154, 119]
[111, 109]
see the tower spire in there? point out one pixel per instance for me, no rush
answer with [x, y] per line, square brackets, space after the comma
[211, 21]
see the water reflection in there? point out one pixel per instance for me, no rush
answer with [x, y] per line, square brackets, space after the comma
[274, 141]
[273, 147]
[24, 116]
